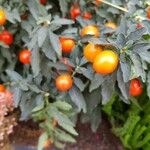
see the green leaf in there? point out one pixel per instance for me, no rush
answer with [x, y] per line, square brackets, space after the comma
[17, 78]
[140, 47]
[35, 61]
[13, 16]
[77, 98]
[39, 103]
[107, 91]
[64, 7]
[121, 41]
[122, 86]
[34, 88]
[93, 99]
[54, 40]
[145, 55]
[87, 72]
[14, 76]
[32, 44]
[32, 4]
[62, 119]
[36, 9]
[108, 108]
[62, 105]
[43, 138]
[126, 70]
[123, 26]
[27, 104]
[64, 137]
[137, 34]
[96, 118]
[17, 93]
[59, 145]
[42, 34]
[38, 108]
[79, 83]
[48, 51]
[138, 67]
[148, 84]
[96, 82]
[62, 21]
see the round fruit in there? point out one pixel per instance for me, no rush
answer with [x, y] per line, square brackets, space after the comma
[2, 17]
[106, 62]
[64, 82]
[75, 11]
[48, 143]
[67, 44]
[90, 30]
[25, 56]
[6, 37]
[135, 87]
[111, 25]
[2, 88]
[91, 51]
[87, 15]
[43, 2]
[148, 13]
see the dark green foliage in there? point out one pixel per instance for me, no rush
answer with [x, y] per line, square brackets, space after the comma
[33, 85]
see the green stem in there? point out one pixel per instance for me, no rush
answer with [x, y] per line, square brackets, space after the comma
[115, 6]
[75, 71]
[47, 99]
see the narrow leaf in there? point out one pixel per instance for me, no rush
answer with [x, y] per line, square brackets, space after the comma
[96, 82]
[35, 61]
[54, 40]
[77, 98]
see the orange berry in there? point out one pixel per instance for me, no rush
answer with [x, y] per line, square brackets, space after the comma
[105, 62]
[2, 17]
[91, 51]
[90, 30]
[64, 82]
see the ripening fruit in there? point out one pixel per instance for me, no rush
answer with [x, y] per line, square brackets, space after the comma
[2, 88]
[106, 62]
[87, 15]
[139, 25]
[43, 2]
[67, 44]
[64, 82]
[25, 56]
[111, 25]
[48, 143]
[75, 11]
[6, 37]
[2, 17]
[135, 87]
[97, 2]
[91, 51]
[148, 13]
[90, 30]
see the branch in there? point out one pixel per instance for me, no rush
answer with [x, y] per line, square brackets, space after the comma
[113, 5]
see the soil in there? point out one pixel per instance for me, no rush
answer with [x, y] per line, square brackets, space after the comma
[26, 135]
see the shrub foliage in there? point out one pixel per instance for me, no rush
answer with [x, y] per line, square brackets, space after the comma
[38, 28]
